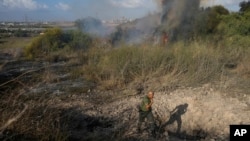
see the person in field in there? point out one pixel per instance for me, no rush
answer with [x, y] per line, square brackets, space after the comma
[145, 112]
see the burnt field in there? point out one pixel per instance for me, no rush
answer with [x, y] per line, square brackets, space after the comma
[86, 83]
[92, 95]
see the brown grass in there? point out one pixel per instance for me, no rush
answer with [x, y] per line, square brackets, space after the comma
[40, 117]
[31, 117]
[15, 42]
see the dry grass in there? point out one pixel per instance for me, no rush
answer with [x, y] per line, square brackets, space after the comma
[14, 46]
[15, 42]
[36, 117]
[192, 63]
[186, 64]
[30, 118]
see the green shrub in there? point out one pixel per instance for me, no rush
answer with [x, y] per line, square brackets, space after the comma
[54, 40]
[79, 40]
[41, 45]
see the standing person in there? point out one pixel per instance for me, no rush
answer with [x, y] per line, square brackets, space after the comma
[145, 111]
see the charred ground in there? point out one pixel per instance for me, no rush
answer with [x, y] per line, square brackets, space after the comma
[76, 86]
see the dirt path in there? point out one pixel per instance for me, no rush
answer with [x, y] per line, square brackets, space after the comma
[208, 114]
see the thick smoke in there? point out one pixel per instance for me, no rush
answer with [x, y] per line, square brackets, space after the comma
[175, 21]
[175, 11]
[143, 29]
[177, 17]
[206, 3]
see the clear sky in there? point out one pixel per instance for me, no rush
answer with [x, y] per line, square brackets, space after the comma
[65, 10]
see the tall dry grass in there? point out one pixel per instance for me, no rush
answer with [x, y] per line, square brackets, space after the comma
[186, 63]
[30, 117]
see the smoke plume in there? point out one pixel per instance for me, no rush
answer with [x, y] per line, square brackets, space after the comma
[175, 12]
[177, 16]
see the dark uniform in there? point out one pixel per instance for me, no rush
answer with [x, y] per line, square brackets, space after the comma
[146, 113]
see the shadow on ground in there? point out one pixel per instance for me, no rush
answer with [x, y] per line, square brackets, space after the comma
[176, 116]
[70, 124]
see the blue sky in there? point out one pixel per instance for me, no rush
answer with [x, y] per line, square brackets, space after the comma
[54, 10]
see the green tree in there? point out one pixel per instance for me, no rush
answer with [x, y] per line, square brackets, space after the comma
[79, 40]
[214, 17]
[244, 6]
[206, 22]
[234, 29]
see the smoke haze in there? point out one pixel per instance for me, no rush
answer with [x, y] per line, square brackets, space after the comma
[112, 9]
[173, 17]
[174, 12]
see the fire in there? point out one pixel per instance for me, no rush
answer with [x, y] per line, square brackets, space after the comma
[176, 16]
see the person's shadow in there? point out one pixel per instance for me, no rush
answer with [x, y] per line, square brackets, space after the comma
[176, 114]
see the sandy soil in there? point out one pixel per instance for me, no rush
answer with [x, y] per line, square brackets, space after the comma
[207, 116]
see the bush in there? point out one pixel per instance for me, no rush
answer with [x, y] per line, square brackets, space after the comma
[79, 40]
[55, 39]
[41, 45]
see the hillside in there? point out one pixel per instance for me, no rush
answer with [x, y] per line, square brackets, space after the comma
[59, 106]
[77, 85]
